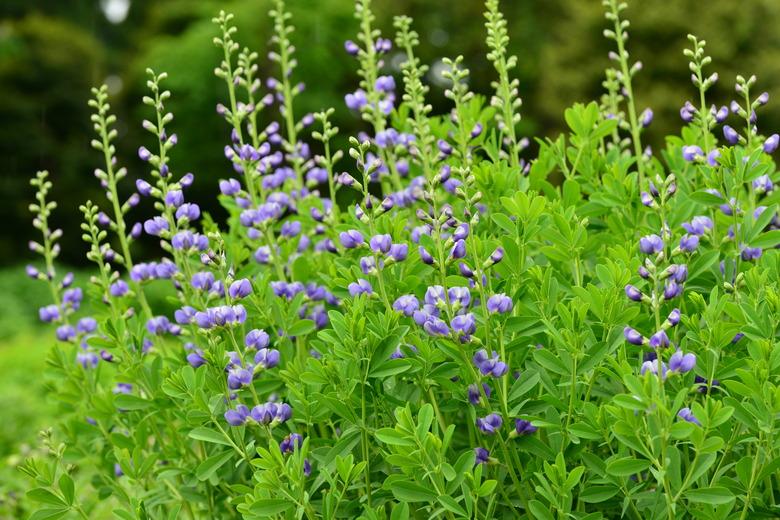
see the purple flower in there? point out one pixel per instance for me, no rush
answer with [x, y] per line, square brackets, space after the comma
[425, 256]
[49, 313]
[475, 395]
[351, 239]
[87, 359]
[459, 249]
[651, 244]
[712, 157]
[144, 154]
[196, 359]
[361, 286]
[158, 325]
[646, 117]
[682, 363]
[435, 327]
[762, 184]
[174, 198]
[155, 226]
[489, 365]
[356, 100]
[461, 232]
[731, 135]
[687, 415]
[351, 48]
[202, 280]
[464, 324]
[380, 243]
[751, 253]
[385, 84]
[689, 243]
[143, 187]
[770, 145]
[256, 339]
[399, 252]
[523, 427]
[240, 288]
[496, 256]
[238, 416]
[290, 229]
[65, 332]
[490, 424]
[266, 358]
[652, 367]
[698, 225]
[460, 297]
[499, 303]
[674, 317]
[481, 456]
[633, 336]
[290, 443]
[406, 304]
[633, 293]
[86, 325]
[659, 340]
[692, 152]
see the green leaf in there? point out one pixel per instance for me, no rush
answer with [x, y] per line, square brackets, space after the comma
[49, 514]
[393, 437]
[487, 488]
[627, 466]
[44, 495]
[504, 223]
[131, 402]
[301, 328]
[450, 504]
[596, 494]
[406, 491]
[208, 435]
[67, 488]
[712, 495]
[708, 199]
[212, 464]
[270, 506]
[767, 240]
[539, 511]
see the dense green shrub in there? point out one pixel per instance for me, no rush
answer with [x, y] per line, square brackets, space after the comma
[421, 323]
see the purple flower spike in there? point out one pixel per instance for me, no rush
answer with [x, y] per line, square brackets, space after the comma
[687, 415]
[490, 424]
[682, 363]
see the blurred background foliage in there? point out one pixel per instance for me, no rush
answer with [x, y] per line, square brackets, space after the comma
[52, 52]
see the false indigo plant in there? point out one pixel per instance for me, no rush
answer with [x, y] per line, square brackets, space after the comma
[466, 338]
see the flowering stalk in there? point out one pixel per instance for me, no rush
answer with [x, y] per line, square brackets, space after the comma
[619, 35]
[103, 121]
[506, 98]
